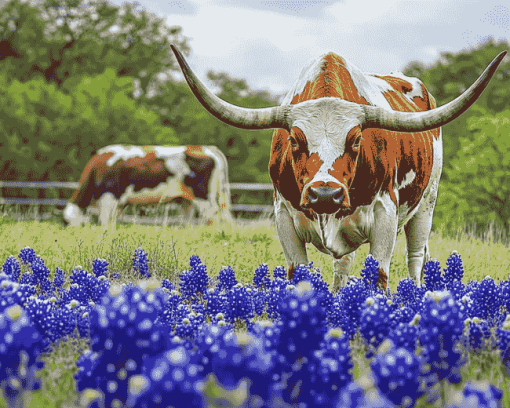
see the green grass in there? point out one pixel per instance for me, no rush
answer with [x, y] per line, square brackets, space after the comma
[244, 247]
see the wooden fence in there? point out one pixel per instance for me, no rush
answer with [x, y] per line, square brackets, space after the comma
[74, 186]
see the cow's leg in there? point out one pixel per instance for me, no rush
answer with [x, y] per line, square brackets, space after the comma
[341, 269]
[417, 236]
[383, 237]
[186, 210]
[165, 217]
[73, 215]
[107, 208]
[294, 248]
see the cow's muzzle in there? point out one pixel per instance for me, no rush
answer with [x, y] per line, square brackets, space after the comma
[325, 198]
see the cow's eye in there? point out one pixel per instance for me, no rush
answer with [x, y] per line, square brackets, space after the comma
[293, 142]
[356, 144]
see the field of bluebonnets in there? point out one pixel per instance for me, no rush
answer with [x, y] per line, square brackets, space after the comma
[192, 315]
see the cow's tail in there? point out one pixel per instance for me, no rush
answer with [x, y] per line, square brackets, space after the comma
[220, 189]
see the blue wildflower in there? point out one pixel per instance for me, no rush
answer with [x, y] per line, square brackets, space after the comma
[226, 279]
[100, 267]
[11, 268]
[441, 325]
[140, 263]
[370, 273]
[432, 276]
[27, 255]
[396, 372]
[20, 347]
[261, 277]
[171, 376]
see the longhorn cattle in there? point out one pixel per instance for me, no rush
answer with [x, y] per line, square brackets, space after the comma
[355, 157]
[118, 175]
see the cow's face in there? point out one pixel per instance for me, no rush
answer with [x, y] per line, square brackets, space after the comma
[324, 141]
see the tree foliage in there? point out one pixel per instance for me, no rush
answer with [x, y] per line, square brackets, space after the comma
[247, 151]
[49, 134]
[476, 157]
[65, 39]
[452, 74]
[478, 187]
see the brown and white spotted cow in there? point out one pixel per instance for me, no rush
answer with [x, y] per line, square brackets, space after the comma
[118, 175]
[355, 157]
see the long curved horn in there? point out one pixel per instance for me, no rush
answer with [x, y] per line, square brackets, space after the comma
[376, 117]
[244, 118]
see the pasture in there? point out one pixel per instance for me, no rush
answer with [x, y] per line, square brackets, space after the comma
[244, 246]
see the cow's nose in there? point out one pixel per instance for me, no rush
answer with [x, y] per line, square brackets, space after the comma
[325, 199]
[324, 195]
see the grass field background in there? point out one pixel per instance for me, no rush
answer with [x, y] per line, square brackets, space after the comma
[244, 247]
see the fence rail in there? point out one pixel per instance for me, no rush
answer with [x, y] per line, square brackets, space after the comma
[73, 185]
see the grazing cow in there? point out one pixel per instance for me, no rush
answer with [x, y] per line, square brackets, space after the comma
[355, 157]
[194, 176]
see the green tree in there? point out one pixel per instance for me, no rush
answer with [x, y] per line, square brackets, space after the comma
[452, 74]
[247, 151]
[478, 186]
[63, 40]
[49, 134]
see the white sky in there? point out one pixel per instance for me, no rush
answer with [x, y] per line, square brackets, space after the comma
[267, 42]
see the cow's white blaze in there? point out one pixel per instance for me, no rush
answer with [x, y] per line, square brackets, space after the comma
[326, 122]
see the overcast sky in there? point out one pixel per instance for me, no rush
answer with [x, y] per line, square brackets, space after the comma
[267, 42]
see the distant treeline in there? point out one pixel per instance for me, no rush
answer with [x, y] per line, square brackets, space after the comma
[75, 77]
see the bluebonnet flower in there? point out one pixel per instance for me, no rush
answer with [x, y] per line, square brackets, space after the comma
[140, 263]
[226, 278]
[28, 279]
[441, 326]
[279, 272]
[327, 371]
[503, 335]
[352, 299]
[396, 372]
[370, 273]
[261, 277]
[302, 323]
[99, 267]
[359, 394]
[375, 321]
[172, 311]
[215, 302]
[477, 333]
[478, 395]
[432, 276]
[454, 270]
[27, 255]
[59, 278]
[194, 260]
[407, 294]
[116, 276]
[486, 300]
[11, 268]
[123, 334]
[405, 334]
[239, 303]
[194, 282]
[20, 347]
[235, 356]
[168, 285]
[172, 377]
